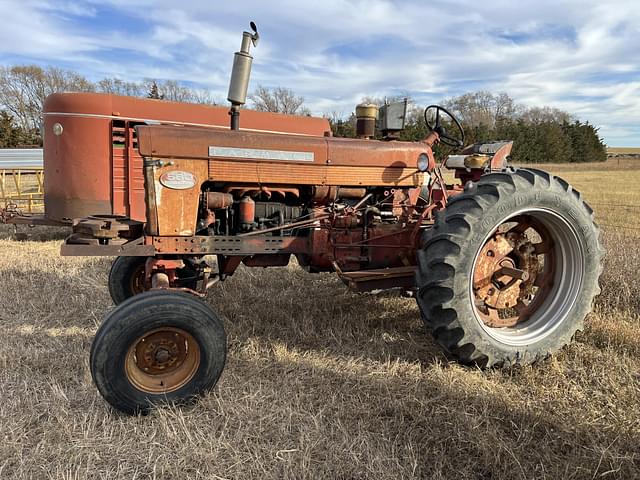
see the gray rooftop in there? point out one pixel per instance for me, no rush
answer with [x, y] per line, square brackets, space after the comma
[21, 158]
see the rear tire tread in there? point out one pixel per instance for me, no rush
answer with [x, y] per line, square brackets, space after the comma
[442, 255]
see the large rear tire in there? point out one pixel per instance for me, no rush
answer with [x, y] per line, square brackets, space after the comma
[510, 269]
[157, 347]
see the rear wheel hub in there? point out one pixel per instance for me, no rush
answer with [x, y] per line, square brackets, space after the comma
[510, 276]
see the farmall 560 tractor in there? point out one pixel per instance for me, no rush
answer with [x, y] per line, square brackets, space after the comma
[504, 264]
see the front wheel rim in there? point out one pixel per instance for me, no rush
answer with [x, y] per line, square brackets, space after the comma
[535, 285]
[137, 280]
[162, 360]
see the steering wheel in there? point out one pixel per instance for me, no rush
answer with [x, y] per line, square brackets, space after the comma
[446, 138]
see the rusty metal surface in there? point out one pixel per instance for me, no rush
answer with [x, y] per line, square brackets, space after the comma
[129, 249]
[229, 245]
[218, 200]
[336, 175]
[77, 168]
[512, 273]
[106, 236]
[257, 189]
[325, 194]
[162, 360]
[395, 154]
[499, 159]
[107, 227]
[108, 107]
[127, 182]
[246, 212]
[379, 279]
[160, 141]
[177, 209]
[86, 172]
[406, 282]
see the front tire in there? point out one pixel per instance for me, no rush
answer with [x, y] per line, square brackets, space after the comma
[157, 347]
[126, 278]
[510, 269]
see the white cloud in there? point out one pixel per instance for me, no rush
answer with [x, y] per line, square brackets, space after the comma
[582, 56]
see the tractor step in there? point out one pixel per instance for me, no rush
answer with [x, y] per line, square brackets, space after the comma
[379, 279]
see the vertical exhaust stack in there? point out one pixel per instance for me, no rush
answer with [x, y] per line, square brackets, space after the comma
[240, 74]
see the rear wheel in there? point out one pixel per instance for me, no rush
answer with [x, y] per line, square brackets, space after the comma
[510, 269]
[157, 347]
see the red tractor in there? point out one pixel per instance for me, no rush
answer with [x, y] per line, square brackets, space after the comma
[504, 263]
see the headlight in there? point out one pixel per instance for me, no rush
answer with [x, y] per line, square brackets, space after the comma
[423, 162]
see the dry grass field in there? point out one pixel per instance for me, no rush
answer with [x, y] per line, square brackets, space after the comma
[623, 150]
[322, 383]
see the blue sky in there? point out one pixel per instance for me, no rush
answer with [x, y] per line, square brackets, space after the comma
[580, 56]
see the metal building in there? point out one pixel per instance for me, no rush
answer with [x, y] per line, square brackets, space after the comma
[11, 158]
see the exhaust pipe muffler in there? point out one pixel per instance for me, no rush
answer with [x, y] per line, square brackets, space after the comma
[240, 74]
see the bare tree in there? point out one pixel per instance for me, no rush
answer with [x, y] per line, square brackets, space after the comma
[278, 100]
[117, 86]
[505, 107]
[341, 126]
[173, 91]
[546, 114]
[203, 97]
[483, 108]
[24, 88]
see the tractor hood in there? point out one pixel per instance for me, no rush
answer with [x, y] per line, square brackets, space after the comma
[165, 141]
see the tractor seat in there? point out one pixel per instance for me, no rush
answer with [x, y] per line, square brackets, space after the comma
[479, 155]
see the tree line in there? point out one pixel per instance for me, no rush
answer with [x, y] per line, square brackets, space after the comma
[540, 134]
[24, 88]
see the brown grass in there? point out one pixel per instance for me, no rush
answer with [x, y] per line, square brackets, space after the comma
[322, 383]
[623, 150]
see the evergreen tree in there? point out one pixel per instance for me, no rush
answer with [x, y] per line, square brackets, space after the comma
[154, 92]
[12, 135]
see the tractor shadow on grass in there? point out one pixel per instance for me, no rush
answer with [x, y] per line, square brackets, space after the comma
[337, 361]
[355, 424]
[316, 312]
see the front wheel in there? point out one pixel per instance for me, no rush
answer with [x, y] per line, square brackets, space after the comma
[127, 278]
[510, 269]
[157, 347]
